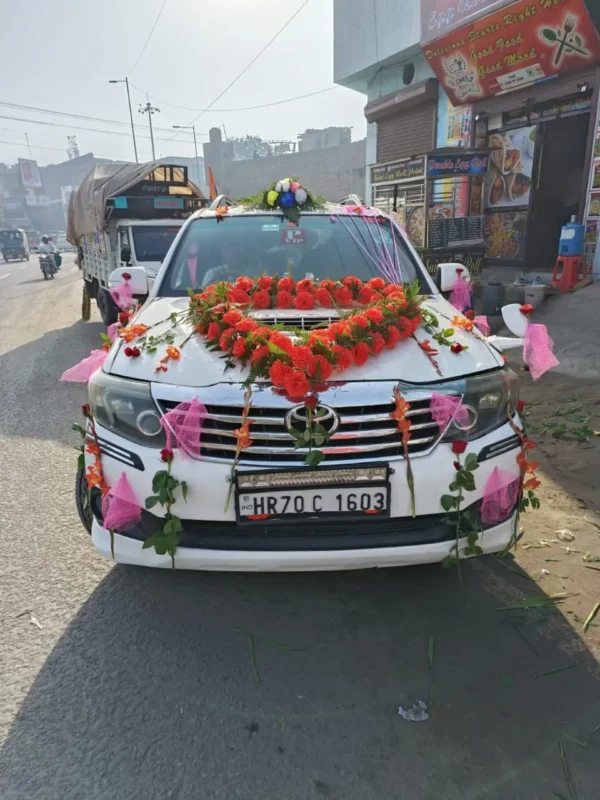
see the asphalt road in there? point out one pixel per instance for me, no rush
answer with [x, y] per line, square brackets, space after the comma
[127, 684]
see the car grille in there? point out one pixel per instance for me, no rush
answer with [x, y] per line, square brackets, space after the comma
[306, 322]
[365, 433]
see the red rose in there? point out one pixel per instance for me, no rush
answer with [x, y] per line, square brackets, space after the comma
[375, 315]
[265, 282]
[301, 356]
[352, 282]
[286, 284]
[311, 401]
[327, 284]
[296, 384]
[243, 283]
[239, 296]
[323, 298]
[86, 410]
[166, 455]
[456, 347]
[360, 321]
[526, 309]
[278, 372]
[239, 348]
[282, 341]
[521, 406]
[343, 297]
[126, 276]
[262, 332]
[225, 340]
[459, 446]
[244, 325]
[366, 294]
[469, 314]
[261, 299]
[377, 283]
[320, 368]
[304, 301]
[393, 336]
[260, 353]
[457, 466]
[232, 316]
[459, 270]
[305, 285]
[407, 326]
[360, 354]
[343, 356]
[319, 337]
[377, 343]
[123, 317]
[284, 299]
[132, 352]
[127, 351]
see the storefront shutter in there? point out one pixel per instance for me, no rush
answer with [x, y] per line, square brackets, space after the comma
[408, 133]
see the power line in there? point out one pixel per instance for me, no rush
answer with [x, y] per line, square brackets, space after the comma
[143, 50]
[247, 67]
[245, 108]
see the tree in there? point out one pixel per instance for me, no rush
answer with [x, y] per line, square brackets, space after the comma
[249, 147]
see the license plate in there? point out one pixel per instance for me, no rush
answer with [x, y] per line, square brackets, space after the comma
[316, 497]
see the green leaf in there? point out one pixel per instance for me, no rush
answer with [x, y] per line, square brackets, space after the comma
[453, 486]
[151, 501]
[306, 436]
[448, 332]
[549, 35]
[448, 502]
[471, 462]
[105, 338]
[318, 439]
[79, 428]
[314, 458]
[159, 480]
[466, 480]
[173, 526]
[150, 541]
[163, 496]
[184, 490]
[81, 461]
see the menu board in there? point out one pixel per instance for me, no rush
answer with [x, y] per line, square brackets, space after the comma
[444, 232]
[505, 235]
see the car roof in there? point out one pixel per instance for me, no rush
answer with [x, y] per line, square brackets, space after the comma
[241, 210]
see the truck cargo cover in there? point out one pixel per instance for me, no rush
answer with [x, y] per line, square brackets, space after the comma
[104, 181]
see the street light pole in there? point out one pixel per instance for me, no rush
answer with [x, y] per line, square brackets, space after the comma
[193, 128]
[150, 110]
[126, 82]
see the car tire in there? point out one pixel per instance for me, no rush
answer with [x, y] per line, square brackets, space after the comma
[109, 311]
[82, 500]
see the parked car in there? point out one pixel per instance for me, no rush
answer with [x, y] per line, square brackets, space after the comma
[364, 457]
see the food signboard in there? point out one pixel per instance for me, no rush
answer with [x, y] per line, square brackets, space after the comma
[409, 169]
[504, 234]
[457, 163]
[512, 47]
[508, 182]
[439, 17]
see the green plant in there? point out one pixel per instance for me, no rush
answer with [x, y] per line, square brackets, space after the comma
[466, 523]
[164, 486]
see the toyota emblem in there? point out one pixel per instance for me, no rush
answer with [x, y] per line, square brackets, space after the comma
[297, 417]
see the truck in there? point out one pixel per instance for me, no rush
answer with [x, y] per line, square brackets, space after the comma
[127, 215]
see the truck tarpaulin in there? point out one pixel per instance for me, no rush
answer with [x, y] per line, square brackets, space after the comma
[87, 204]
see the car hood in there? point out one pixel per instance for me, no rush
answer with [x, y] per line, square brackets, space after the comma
[200, 367]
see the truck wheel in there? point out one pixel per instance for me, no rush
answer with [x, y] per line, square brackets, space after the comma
[86, 305]
[109, 311]
[82, 500]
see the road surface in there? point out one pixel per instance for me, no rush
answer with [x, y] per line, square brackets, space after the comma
[125, 684]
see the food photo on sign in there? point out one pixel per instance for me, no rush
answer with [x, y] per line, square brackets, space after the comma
[514, 46]
[508, 182]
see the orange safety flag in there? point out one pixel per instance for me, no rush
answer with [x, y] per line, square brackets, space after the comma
[212, 186]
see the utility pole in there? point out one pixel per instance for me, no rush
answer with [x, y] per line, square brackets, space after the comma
[193, 129]
[28, 145]
[150, 110]
[126, 82]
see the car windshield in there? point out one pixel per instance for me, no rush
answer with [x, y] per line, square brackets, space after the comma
[152, 243]
[321, 246]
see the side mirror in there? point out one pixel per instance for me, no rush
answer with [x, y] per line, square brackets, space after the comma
[126, 253]
[138, 279]
[447, 275]
[514, 319]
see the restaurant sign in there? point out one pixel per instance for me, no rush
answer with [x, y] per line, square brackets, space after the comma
[409, 169]
[457, 164]
[514, 46]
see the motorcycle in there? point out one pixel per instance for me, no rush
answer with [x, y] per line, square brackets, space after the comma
[48, 266]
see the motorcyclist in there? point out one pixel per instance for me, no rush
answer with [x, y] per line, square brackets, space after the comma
[47, 247]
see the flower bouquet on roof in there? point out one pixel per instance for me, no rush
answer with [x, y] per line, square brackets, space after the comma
[289, 197]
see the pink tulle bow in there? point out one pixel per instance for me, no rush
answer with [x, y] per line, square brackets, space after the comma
[538, 350]
[122, 295]
[111, 331]
[183, 426]
[446, 407]
[483, 325]
[499, 496]
[82, 372]
[120, 507]
[461, 294]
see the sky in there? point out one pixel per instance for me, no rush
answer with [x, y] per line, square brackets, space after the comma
[60, 54]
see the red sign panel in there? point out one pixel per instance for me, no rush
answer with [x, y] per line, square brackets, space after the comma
[439, 17]
[515, 46]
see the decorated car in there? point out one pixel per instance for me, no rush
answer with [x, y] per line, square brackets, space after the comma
[297, 393]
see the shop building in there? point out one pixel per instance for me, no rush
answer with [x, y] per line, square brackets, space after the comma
[516, 80]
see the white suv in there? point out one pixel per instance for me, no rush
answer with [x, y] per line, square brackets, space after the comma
[363, 456]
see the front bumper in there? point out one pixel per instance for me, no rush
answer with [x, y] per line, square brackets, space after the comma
[129, 551]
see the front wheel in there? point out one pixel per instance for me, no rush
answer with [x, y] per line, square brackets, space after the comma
[109, 311]
[82, 500]
[45, 270]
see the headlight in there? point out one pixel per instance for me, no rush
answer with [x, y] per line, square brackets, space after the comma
[126, 407]
[487, 399]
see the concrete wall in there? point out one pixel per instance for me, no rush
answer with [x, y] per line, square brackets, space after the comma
[332, 172]
[370, 32]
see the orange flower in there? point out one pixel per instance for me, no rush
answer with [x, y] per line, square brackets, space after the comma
[532, 483]
[242, 434]
[399, 414]
[93, 449]
[174, 353]
[461, 322]
[132, 332]
[427, 348]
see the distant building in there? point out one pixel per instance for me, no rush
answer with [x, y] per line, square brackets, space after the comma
[320, 138]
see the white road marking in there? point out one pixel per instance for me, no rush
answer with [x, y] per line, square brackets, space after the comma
[5, 276]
